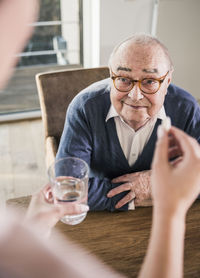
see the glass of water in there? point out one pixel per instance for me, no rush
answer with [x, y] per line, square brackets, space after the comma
[69, 179]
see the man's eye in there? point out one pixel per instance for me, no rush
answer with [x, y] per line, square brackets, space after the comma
[149, 81]
[124, 80]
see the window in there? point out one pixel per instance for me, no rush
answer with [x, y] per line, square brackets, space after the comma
[55, 44]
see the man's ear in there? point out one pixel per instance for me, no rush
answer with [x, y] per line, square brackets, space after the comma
[110, 70]
[169, 77]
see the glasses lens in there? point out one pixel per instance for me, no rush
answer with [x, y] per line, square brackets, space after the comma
[150, 85]
[123, 84]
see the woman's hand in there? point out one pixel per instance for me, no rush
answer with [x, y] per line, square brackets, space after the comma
[45, 212]
[175, 185]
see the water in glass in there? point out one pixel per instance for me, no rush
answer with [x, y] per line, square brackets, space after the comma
[70, 189]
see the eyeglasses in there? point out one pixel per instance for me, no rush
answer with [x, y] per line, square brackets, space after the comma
[146, 85]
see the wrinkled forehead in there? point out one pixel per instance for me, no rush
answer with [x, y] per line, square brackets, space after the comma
[138, 57]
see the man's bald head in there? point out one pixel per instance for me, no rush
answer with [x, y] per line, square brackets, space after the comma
[144, 41]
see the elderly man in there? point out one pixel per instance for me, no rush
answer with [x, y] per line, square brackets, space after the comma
[112, 124]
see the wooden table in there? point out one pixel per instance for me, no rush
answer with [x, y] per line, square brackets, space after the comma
[120, 239]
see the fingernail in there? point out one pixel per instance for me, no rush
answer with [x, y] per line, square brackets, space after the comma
[108, 195]
[84, 207]
[160, 132]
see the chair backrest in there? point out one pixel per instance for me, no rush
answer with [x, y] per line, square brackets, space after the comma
[57, 89]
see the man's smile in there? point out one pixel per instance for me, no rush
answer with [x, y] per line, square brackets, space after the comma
[134, 106]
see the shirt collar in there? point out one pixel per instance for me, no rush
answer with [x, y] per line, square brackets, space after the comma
[112, 113]
[161, 114]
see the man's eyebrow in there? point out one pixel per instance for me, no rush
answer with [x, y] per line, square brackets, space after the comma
[123, 68]
[150, 70]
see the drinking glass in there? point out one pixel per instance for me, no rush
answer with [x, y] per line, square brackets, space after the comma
[69, 179]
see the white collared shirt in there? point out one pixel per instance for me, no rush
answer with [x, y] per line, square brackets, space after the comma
[133, 142]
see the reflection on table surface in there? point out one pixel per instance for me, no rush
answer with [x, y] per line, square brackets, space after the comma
[120, 239]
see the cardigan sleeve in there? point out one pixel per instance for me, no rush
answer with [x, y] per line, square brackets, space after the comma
[76, 141]
[183, 110]
[192, 126]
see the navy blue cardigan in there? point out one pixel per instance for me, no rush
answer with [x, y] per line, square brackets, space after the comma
[88, 136]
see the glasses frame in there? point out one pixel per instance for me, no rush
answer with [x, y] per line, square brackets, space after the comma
[160, 80]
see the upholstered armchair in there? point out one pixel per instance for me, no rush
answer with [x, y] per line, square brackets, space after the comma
[56, 90]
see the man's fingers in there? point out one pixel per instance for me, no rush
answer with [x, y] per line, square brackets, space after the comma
[124, 178]
[129, 197]
[119, 189]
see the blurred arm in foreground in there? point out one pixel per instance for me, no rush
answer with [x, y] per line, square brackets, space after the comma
[175, 186]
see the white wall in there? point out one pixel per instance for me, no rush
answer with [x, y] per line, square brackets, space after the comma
[178, 26]
[115, 21]
[70, 29]
[91, 30]
[119, 19]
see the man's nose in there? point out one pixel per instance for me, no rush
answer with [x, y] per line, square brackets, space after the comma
[135, 94]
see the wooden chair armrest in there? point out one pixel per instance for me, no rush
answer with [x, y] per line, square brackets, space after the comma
[51, 146]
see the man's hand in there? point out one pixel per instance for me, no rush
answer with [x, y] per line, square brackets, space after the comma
[139, 186]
